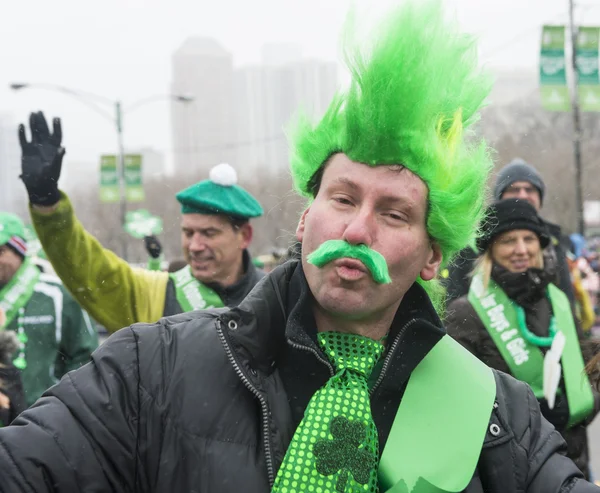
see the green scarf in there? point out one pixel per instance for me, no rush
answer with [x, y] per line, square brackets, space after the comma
[18, 291]
[525, 360]
[192, 294]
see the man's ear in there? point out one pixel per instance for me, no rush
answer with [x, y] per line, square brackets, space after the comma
[247, 234]
[429, 271]
[301, 225]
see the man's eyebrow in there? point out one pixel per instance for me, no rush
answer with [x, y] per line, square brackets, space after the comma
[384, 198]
[393, 199]
[345, 181]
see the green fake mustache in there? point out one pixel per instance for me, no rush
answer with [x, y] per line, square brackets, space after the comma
[335, 249]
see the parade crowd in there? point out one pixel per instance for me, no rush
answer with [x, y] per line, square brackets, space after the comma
[422, 335]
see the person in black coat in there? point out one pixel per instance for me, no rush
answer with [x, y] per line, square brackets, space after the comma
[516, 180]
[511, 257]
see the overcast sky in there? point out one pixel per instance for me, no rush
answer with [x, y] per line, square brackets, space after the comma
[122, 48]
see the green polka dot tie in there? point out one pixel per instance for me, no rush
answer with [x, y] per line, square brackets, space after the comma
[335, 448]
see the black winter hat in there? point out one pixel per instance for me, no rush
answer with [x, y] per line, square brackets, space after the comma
[518, 170]
[507, 215]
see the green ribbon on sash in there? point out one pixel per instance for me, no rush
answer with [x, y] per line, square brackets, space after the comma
[525, 360]
[192, 294]
[18, 291]
[441, 423]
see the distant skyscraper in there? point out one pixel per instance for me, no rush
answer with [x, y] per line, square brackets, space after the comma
[268, 96]
[239, 116]
[254, 135]
[278, 54]
[13, 197]
[204, 130]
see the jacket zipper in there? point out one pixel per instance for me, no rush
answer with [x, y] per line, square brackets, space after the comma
[388, 358]
[261, 399]
[315, 353]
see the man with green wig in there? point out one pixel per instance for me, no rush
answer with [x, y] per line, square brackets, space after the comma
[334, 374]
[215, 235]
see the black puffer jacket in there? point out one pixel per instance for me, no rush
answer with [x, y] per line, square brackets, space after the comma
[464, 325]
[207, 402]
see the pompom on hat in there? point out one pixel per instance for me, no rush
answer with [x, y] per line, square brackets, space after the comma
[220, 194]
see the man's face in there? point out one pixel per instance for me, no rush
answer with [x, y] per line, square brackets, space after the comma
[525, 191]
[383, 208]
[9, 264]
[213, 247]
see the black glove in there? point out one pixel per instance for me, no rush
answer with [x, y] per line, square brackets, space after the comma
[41, 159]
[153, 246]
[559, 415]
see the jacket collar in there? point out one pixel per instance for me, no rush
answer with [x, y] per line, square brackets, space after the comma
[278, 309]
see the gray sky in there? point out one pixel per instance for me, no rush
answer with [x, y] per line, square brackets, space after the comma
[122, 48]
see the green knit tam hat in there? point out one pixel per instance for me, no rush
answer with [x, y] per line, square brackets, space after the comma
[219, 195]
[415, 89]
[10, 227]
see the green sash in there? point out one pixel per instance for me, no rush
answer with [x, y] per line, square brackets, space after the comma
[526, 362]
[18, 291]
[155, 263]
[439, 429]
[192, 294]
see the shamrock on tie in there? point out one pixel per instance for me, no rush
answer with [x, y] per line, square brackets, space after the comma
[343, 455]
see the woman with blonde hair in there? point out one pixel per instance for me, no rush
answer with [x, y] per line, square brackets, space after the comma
[515, 320]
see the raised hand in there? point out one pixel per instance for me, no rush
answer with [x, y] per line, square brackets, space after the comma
[41, 159]
[153, 246]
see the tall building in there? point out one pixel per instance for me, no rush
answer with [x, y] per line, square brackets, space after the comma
[203, 130]
[253, 131]
[13, 197]
[278, 54]
[266, 99]
[239, 116]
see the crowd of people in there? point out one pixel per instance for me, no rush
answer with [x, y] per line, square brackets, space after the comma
[414, 339]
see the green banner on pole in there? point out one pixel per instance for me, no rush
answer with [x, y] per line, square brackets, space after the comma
[553, 76]
[109, 179]
[587, 68]
[134, 188]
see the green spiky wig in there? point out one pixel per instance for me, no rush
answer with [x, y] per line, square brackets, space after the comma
[416, 87]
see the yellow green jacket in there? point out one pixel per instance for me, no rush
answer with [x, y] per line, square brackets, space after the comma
[111, 291]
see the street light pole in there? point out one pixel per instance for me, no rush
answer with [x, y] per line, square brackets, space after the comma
[576, 123]
[117, 121]
[121, 172]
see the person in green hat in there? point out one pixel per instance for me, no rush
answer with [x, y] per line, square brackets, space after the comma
[55, 335]
[216, 233]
